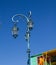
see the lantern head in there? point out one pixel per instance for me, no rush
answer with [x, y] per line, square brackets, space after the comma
[27, 35]
[30, 24]
[15, 30]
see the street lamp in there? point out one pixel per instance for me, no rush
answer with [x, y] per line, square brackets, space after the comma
[15, 31]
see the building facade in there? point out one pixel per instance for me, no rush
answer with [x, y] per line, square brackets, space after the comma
[45, 58]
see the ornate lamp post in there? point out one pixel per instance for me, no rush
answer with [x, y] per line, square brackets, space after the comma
[15, 31]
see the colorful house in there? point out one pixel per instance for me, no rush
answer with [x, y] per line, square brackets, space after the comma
[45, 58]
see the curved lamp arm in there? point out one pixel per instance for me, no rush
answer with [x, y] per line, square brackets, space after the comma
[21, 16]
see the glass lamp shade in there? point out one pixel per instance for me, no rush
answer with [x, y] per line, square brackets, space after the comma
[27, 35]
[15, 30]
[30, 25]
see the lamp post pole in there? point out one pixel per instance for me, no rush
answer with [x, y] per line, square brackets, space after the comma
[15, 31]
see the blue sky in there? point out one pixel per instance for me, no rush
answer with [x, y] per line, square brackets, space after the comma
[43, 35]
